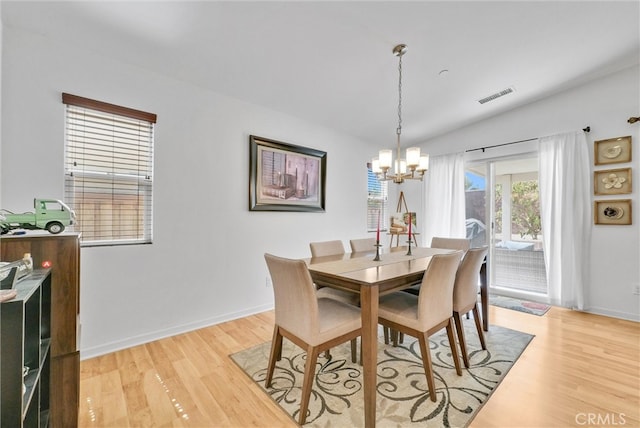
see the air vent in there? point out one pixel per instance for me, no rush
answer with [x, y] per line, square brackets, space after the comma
[497, 95]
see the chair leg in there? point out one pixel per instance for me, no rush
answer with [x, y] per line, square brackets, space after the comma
[275, 355]
[423, 339]
[307, 383]
[463, 344]
[454, 347]
[327, 354]
[395, 338]
[476, 316]
[354, 351]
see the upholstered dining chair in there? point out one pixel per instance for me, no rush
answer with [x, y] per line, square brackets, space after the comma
[427, 313]
[465, 296]
[326, 248]
[364, 244]
[462, 244]
[314, 324]
[335, 248]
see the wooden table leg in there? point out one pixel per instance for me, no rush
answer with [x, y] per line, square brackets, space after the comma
[484, 296]
[369, 303]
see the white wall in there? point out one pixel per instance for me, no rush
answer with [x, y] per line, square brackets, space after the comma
[604, 105]
[206, 264]
[1, 31]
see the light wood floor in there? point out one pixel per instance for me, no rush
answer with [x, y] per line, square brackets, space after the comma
[579, 370]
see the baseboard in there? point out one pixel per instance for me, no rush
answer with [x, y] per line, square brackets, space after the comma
[613, 314]
[535, 297]
[96, 351]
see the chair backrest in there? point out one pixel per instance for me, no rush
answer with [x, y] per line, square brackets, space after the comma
[465, 290]
[364, 244]
[296, 304]
[326, 248]
[451, 243]
[435, 300]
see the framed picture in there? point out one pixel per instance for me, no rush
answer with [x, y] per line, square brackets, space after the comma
[285, 177]
[614, 212]
[612, 181]
[613, 150]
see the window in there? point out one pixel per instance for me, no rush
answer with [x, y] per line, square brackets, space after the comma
[377, 201]
[109, 171]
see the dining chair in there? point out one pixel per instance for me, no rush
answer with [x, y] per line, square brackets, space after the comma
[427, 313]
[314, 324]
[465, 296]
[335, 248]
[364, 244]
[326, 248]
[462, 244]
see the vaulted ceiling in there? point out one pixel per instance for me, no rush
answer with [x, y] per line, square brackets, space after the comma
[332, 62]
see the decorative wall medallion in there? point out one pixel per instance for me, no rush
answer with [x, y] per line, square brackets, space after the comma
[613, 212]
[612, 181]
[613, 150]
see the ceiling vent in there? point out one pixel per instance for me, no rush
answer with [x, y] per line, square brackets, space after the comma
[497, 95]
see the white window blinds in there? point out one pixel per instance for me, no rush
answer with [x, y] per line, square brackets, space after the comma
[377, 201]
[109, 171]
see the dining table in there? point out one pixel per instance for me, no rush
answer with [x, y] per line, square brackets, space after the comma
[396, 269]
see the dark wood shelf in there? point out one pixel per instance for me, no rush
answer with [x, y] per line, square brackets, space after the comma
[62, 253]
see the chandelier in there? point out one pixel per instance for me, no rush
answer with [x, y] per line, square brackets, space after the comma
[414, 162]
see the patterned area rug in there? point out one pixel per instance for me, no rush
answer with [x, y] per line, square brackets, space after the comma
[403, 397]
[532, 308]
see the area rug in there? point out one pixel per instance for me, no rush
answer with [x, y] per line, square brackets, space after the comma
[532, 308]
[402, 393]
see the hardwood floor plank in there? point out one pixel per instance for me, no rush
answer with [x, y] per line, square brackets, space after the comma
[577, 365]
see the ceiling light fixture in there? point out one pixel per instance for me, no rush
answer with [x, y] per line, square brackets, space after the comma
[416, 163]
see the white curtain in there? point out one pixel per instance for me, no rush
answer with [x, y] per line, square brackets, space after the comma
[565, 210]
[445, 198]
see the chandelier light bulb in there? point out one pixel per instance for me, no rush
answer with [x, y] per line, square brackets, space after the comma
[385, 158]
[413, 157]
[424, 163]
[375, 166]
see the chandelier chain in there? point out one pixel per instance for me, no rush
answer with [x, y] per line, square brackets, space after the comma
[399, 130]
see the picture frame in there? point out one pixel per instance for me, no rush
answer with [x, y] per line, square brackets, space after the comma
[613, 212]
[613, 150]
[612, 181]
[285, 177]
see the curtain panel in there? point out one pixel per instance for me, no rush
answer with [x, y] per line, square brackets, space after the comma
[445, 198]
[565, 210]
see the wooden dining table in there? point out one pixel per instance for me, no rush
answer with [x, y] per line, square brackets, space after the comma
[360, 273]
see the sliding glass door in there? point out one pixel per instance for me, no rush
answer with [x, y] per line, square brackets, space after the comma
[503, 211]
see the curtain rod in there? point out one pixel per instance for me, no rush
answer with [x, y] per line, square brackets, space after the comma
[587, 129]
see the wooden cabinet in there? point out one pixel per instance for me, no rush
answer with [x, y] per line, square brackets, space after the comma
[25, 363]
[60, 253]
